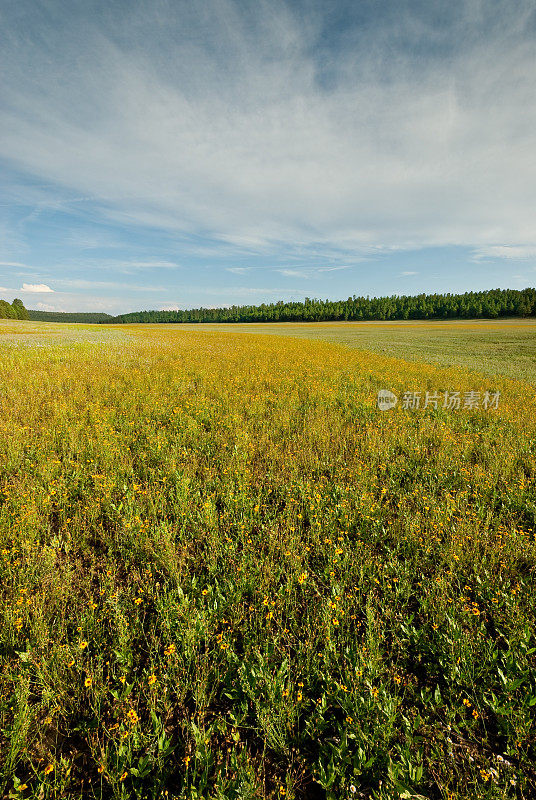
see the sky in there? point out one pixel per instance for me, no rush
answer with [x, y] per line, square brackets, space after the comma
[160, 154]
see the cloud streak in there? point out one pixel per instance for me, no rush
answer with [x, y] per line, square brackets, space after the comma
[509, 252]
[228, 122]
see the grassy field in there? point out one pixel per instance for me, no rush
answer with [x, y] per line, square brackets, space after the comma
[225, 573]
[495, 347]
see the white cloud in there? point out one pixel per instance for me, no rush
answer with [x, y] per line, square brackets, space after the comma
[45, 307]
[35, 288]
[237, 270]
[409, 272]
[3, 289]
[226, 123]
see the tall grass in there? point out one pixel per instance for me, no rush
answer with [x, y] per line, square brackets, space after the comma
[225, 573]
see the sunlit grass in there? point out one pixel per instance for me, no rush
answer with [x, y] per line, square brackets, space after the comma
[501, 347]
[225, 573]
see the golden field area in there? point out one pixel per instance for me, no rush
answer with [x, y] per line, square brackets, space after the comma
[225, 573]
[496, 347]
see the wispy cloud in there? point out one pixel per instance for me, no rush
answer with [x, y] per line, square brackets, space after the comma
[244, 292]
[279, 141]
[509, 252]
[229, 123]
[150, 264]
[82, 283]
[294, 273]
[308, 273]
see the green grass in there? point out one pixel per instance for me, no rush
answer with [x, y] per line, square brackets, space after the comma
[224, 573]
[505, 347]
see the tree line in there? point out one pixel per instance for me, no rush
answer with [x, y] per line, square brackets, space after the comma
[69, 316]
[15, 310]
[470, 305]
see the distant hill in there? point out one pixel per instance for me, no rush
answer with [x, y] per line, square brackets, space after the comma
[67, 316]
[470, 305]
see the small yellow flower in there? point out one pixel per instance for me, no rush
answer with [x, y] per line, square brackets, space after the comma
[88, 681]
[299, 697]
[49, 769]
[82, 645]
[100, 769]
[132, 717]
[138, 601]
[152, 679]
[22, 787]
[123, 776]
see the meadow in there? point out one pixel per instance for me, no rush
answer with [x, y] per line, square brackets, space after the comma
[496, 347]
[225, 573]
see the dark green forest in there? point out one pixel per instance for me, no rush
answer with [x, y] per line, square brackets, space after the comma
[471, 305]
[67, 316]
[14, 311]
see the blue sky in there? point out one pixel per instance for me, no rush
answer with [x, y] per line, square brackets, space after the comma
[177, 153]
